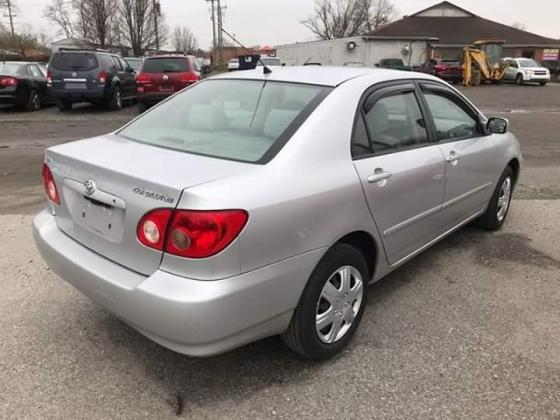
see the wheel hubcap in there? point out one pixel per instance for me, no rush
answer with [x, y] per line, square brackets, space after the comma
[339, 304]
[35, 100]
[504, 198]
[118, 96]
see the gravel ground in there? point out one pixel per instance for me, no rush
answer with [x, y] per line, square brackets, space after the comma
[470, 329]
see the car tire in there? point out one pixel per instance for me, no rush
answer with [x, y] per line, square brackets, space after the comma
[115, 102]
[346, 302]
[542, 83]
[500, 203]
[33, 102]
[519, 80]
[64, 105]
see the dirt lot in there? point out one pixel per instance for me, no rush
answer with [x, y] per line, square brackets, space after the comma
[470, 329]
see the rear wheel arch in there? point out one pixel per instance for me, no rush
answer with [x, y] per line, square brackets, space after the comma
[367, 246]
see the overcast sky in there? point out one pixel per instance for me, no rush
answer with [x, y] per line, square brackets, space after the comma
[278, 21]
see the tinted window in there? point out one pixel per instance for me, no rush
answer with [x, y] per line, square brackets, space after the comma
[528, 63]
[74, 61]
[135, 63]
[116, 63]
[395, 121]
[451, 120]
[165, 65]
[232, 119]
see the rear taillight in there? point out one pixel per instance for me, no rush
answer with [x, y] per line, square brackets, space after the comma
[151, 229]
[102, 77]
[49, 79]
[188, 78]
[440, 67]
[143, 79]
[50, 186]
[190, 233]
[8, 81]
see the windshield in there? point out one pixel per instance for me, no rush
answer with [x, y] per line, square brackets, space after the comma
[528, 63]
[74, 61]
[135, 63]
[8, 69]
[166, 65]
[229, 119]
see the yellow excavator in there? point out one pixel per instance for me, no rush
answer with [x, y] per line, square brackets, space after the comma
[483, 63]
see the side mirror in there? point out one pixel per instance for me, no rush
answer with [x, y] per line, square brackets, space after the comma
[497, 125]
[376, 64]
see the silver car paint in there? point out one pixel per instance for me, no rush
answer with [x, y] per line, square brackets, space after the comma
[301, 203]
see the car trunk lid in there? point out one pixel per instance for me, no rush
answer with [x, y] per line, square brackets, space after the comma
[108, 183]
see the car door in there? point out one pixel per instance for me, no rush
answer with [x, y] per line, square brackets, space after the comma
[128, 77]
[120, 72]
[468, 151]
[39, 81]
[400, 167]
[511, 70]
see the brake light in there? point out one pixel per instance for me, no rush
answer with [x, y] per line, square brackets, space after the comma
[8, 81]
[151, 229]
[50, 186]
[440, 67]
[49, 79]
[191, 233]
[143, 79]
[102, 77]
[188, 78]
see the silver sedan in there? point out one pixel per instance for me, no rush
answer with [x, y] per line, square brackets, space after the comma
[253, 203]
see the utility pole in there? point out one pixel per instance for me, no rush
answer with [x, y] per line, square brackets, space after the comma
[156, 6]
[220, 34]
[213, 14]
[11, 16]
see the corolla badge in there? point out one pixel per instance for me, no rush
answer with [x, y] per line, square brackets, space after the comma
[90, 187]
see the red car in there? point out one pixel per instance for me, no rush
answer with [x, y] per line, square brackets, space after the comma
[162, 76]
[448, 70]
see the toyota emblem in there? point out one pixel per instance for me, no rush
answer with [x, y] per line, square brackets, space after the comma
[74, 74]
[165, 77]
[90, 187]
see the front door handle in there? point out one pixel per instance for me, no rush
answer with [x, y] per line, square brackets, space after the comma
[378, 176]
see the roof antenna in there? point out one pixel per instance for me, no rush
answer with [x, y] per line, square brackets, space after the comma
[266, 70]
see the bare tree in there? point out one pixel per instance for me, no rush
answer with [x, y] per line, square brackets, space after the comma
[140, 32]
[343, 18]
[60, 15]
[184, 40]
[96, 20]
[381, 13]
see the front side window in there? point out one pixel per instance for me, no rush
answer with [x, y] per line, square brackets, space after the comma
[230, 119]
[394, 122]
[451, 120]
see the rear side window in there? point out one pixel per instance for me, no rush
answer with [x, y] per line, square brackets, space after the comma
[231, 119]
[117, 63]
[77, 61]
[166, 65]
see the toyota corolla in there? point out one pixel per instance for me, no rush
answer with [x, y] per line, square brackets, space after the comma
[254, 204]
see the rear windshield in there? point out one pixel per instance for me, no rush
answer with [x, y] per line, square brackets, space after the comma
[8, 69]
[270, 62]
[78, 61]
[166, 65]
[230, 119]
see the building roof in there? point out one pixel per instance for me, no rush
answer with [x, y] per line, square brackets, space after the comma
[462, 28]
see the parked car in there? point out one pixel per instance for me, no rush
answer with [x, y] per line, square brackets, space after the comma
[393, 63]
[233, 64]
[255, 204]
[525, 70]
[135, 63]
[448, 70]
[93, 76]
[554, 69]
[23, 84]
[162, 76]
[269, 62]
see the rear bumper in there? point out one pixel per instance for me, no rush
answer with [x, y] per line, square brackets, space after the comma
[193, 317]
[85, 95]
[152, 98]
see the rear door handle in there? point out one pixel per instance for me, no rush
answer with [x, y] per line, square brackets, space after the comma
[452, 158]
[379, 175]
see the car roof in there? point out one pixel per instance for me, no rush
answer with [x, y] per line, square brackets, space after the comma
[316, 75]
